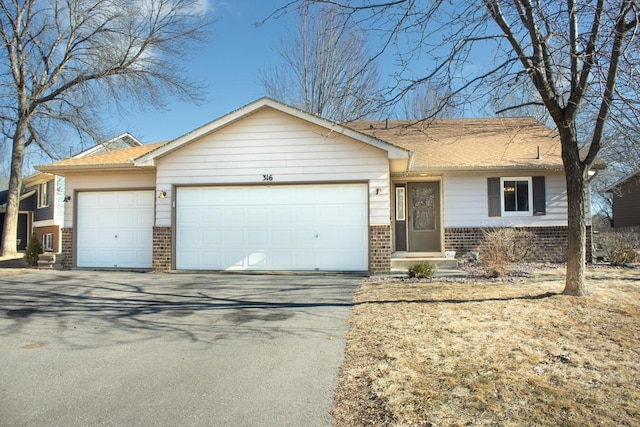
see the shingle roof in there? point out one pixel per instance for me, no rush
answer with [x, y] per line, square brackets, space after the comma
[471, 143]
[123, 157]
[437, 145]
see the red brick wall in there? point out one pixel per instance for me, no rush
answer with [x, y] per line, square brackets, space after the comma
[67, 248]
[551, 242]
[379, 249]
[161, 249]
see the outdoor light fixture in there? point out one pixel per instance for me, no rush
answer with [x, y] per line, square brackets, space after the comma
[66, 199]
[378, 191]
[162, 194]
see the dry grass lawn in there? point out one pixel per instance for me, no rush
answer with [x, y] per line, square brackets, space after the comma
[494, 354]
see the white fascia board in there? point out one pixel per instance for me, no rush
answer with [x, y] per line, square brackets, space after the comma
[149, 158]
[90, 151]
[36, 178]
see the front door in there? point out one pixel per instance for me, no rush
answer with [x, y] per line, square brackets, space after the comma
[424, 216]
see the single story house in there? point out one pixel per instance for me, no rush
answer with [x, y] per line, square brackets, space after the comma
[270, 187]
[625, 195]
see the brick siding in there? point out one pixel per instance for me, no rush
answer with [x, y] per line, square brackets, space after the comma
[551, 242]
[161, 249]
[379, 249]
[67, 248]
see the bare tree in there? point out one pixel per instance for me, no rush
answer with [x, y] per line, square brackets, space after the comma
[62, 61]
[326, 68]
[580, 57]
[430, 100]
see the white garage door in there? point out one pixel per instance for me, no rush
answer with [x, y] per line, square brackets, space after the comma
[288, 227]
[115, 229]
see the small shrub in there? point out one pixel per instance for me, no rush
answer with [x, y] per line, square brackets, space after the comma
[502, 247]
[33, 250]
[619, 247]
[423, 270]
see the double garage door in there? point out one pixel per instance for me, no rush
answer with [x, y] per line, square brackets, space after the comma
[283, 227]
[280, 227]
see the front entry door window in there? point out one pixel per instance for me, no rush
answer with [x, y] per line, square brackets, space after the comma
[424, 216]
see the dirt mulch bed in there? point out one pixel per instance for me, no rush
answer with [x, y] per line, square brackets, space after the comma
[488, 353]
[14, 266]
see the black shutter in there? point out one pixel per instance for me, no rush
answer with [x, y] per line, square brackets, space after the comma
[539, 197]
[493, 186]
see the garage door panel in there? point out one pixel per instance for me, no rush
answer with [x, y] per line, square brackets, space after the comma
[257, 238]
[281, 238]
[191, 259]
[93, 216]
[281, 216]
[131, 258]
[234, 216]
[233, 239]
[342, 238]
[211, 216]
[305, 259]
[103, 258]
[289, 227]
[348, 260]
[257, 259]
[257, 216]
[208, 238]
[188, 218]
[115, 229]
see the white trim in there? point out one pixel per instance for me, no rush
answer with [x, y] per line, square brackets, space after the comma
[401, 208]
[529, 196]
[47, 241]
[42, 200]
[90, 151]
[46, 223]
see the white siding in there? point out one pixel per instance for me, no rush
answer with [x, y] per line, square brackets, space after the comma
[466, 202]
[95, 180]
[288, 149]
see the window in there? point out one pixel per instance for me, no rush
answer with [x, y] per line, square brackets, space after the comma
[516, 196]
[43, 195]
[511, 196]
[47, 242]
[400, 213]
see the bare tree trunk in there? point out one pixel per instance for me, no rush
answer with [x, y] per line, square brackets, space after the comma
[575, 283]
[9, 233]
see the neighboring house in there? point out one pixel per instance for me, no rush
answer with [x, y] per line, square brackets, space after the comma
[626, 201]
[269, 187]
[43, 198]
[25, 213]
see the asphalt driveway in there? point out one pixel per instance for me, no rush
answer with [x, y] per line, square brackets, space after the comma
[117, 348]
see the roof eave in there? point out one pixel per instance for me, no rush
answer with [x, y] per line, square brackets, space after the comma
[36, 178]
[112, 167]
[621, 181]
[444, 168]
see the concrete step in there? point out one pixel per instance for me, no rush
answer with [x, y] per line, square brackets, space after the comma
[403, 264]
[50, 261]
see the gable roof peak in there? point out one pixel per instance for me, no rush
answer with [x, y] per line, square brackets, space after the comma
[258, 105]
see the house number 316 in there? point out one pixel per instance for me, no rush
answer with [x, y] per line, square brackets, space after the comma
[267, 177]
